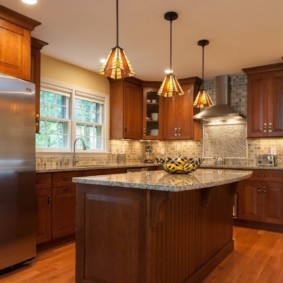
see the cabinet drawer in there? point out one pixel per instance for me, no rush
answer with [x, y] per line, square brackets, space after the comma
[43, 180]
[61, 179]
[267, 175]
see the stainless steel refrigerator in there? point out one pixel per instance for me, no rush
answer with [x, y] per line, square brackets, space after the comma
[17, 172]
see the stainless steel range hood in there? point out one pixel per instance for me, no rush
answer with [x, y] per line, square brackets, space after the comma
[221, 110]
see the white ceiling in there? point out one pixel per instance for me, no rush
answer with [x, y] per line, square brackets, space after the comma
[242, 33]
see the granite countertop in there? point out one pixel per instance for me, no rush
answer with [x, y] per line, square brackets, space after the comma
[96, 166]
[142, 164]
[244, 167]
[163, 181]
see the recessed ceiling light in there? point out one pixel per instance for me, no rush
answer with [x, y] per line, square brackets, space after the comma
[30, 2]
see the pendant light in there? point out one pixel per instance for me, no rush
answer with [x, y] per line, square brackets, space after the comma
[117, 65]
[203, 99]
[170, 85]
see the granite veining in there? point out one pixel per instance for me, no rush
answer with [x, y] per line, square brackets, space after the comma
[163, 181]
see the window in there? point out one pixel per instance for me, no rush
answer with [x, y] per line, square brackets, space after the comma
[54, 120]
[89, 117]
[66, 114]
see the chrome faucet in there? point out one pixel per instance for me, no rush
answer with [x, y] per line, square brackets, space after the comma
[76, 158]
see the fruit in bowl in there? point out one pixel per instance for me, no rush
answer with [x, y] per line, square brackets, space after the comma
[179, 165]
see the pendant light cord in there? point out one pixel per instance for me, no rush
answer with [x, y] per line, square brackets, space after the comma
[117, 23]
[171, 46]
[202, 84]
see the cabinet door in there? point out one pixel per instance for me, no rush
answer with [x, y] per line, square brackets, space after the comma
[170, 117]
[36, 46]
[185, 106]
[249, 200]
[43, 215]
[275, 118]
[257, 119]
[133, 100]
[14, 50]
[152, 114]
[272, 202]
[63, 211]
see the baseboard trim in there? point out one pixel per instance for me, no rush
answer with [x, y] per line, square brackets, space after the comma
[204, 270]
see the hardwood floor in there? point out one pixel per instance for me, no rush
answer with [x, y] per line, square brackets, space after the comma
[55, 265]
[258, 258]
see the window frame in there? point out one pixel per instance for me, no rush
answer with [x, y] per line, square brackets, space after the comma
[78, 92]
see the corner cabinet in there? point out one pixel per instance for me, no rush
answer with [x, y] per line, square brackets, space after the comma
[126, 102]
[178, 111]
[15, 43]
[36, 46]
[265, 101]
[152, 114]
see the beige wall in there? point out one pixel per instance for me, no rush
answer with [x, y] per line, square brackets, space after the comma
[56, 70]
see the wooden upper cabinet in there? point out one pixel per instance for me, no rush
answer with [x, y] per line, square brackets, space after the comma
[265, 101]
[276, 104]
[152, 112]
[36, 46]
[15, 43]
[178, 113]
[126, 100]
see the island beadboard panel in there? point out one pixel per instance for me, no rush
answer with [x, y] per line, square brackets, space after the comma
[156, 236]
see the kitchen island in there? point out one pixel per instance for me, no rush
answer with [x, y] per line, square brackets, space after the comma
[154, 226]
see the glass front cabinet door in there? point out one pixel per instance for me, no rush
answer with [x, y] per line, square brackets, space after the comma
[152, 114]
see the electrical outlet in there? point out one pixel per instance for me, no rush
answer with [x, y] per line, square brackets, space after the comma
[273, 150]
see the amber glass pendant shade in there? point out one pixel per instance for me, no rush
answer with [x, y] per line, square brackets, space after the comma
[170, 87]
[117, 65]
[202, 100]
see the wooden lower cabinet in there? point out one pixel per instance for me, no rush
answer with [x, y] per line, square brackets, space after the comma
[43, 193]
[56, 201]
[43, 215]
[260, 199]
[249, 201]
[63, 211]
[272, 203]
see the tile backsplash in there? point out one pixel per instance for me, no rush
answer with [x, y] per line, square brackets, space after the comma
[228, 141]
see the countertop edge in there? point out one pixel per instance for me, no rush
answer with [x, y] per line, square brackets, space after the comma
[136, 165]
[101, 180]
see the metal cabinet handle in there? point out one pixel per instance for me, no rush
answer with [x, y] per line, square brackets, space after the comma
[264, 190]
[264, 127]
[37, 119]
[144, 131]
[179, 131]
[269, 127]
[258, 190]
[176, 132]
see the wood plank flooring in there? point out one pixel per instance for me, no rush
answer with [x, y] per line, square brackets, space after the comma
[258, 258]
